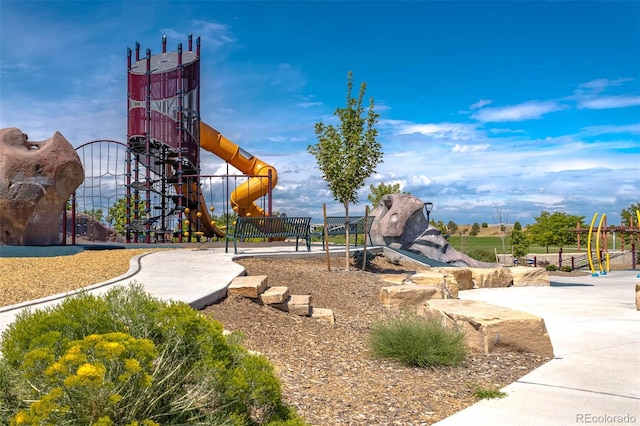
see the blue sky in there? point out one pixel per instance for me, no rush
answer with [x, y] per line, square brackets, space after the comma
[528, 106]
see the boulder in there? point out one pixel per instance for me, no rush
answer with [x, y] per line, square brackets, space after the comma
[525, 276]
[36, 180]
[251, 286]
[409, 297]
[463, 276]
[323, 314]
[295, 304]
[400, 222]
[491, 277]
[446, 282]
[277, 294]
[490, 328]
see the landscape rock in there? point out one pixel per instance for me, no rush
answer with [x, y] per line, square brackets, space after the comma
[490, 328]
[296, 304]
[491, 277]
[277, 294]
[446, 282]
[36, 181]
[248, 286]
[323, 314]
[400, 222]
[409, 297]
[526, 276]
[463, 276]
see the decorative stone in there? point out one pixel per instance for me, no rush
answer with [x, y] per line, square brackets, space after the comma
[296, 304]
[490, 328]
[491, 277]
[273, 295]
[394, 278]
[36, 180]
[247, 286]
[526, 276]
[323, 314]
[410, 296]
[463, 276]
[446, 282]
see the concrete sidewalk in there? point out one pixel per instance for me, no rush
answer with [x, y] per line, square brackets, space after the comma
[196, 276]
[595, 375]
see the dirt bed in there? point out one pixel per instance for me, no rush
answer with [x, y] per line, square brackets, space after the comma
[327, 370]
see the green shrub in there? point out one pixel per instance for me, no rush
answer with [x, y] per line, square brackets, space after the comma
[358, 256]
[566, 268]
[418, 342]
[483, 255]
[127, 358]
[551, 267]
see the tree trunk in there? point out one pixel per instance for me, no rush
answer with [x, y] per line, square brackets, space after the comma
[346, 235]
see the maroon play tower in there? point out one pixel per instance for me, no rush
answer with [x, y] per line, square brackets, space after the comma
[163, 140]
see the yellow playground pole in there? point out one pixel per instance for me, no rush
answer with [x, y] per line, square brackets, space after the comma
[593, 221]
[598, 243]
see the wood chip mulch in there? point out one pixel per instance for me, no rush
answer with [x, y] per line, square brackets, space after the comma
[327, 370]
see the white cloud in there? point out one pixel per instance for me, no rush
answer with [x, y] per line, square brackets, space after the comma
[308, 104]
[470, 148]
[607, 102]
[610, 129]
[451, 131]
[525, 111]
[481, 103]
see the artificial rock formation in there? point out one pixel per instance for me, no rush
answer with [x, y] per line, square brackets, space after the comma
[399, 220]
[36, 180]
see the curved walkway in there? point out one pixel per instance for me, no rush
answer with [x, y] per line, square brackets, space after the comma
[592, 321]
[595, 376]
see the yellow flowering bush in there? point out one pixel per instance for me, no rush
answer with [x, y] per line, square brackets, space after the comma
[91, 382]
[128, 359]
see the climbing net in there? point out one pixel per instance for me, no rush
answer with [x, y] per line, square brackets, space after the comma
[105, 178]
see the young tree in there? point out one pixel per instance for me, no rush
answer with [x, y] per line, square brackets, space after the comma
[502, 221]
[554, 229]
[453, 227]
[475, 229]
[377, 192]
[628, 213]
[519, 241]
[348, 153]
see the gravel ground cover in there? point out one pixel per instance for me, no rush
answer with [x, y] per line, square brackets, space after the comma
[326, 369]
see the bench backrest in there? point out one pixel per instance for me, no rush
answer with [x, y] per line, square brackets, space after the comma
[265, 227]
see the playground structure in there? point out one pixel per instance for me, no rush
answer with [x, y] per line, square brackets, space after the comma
[600, 257]
[158, 170]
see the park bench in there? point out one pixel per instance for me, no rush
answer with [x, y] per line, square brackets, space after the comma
[271, 228]
[336, 226]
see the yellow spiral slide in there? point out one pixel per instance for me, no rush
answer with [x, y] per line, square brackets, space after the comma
[243, 197]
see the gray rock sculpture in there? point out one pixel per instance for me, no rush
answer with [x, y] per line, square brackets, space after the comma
[36, 180]
[400, 222]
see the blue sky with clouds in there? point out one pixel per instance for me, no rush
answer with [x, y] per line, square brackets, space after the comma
[528, 106]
